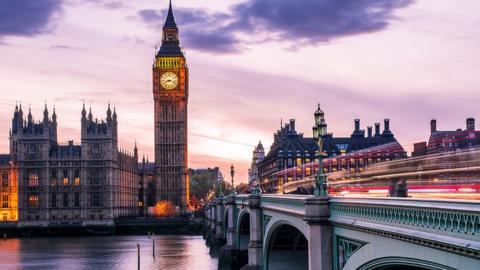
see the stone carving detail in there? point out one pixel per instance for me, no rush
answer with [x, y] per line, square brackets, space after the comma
[266, 220]
[32, 151]
[95, 151]
[345, 249]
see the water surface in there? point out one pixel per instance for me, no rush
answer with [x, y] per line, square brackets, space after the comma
[106, 252]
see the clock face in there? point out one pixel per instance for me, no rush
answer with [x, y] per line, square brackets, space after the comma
[169, 80]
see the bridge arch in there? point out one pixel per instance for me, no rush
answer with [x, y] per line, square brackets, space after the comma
[399, 263]
[243, 230]
[286, 247]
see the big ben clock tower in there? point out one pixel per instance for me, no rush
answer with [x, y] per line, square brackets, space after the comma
[170, 94]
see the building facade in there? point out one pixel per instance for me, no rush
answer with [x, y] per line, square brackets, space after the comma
[8, 190]
[90, 182]
[170, 93]
[444, 141]
[292, 156]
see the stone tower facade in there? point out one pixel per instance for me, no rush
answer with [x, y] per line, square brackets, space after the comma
[170, 93]
[88, 184]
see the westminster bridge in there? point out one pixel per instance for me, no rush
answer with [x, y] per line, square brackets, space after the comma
[307, 232]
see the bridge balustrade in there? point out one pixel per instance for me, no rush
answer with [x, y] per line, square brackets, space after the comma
[351, 233]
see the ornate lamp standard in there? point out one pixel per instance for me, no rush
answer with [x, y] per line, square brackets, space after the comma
[319, 132]
[232, 173]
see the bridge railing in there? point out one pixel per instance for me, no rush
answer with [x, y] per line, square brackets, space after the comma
[431, 221]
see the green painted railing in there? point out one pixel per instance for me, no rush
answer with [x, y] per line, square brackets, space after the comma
[461, 217]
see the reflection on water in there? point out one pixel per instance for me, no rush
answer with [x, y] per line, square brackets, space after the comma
[105, 252]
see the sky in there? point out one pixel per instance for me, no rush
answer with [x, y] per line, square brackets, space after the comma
[252, 63]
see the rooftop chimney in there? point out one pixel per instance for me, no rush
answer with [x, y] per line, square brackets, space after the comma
[433, 125]
[386, 123]
[292, 124]
[357, 125]
[377, 129]
[369, 131]
[471, 124]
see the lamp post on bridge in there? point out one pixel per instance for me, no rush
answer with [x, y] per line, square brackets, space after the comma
[319, 133]
[232, 173]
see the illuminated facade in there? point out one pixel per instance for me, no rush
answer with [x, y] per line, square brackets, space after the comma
[444, 141]
[8, 190]
[292, 156]
[91, 182]
[170, 93]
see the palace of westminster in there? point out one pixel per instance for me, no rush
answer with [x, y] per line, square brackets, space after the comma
[44, 183]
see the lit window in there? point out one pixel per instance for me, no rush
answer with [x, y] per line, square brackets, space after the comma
[33, 200]
[5, 201]
[33, 180]
[77, 181]
[65, 181]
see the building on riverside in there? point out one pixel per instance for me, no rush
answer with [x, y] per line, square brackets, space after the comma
[292, 156]
[170, 94]
[444, 141]
[258, 156]
[8, 190]
[91, 181]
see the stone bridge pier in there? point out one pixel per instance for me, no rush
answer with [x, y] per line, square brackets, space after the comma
[284, 232]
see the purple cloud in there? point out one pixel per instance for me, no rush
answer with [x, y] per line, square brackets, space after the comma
[26, 18]
[293, 22]
[315, 20]
[200, 30]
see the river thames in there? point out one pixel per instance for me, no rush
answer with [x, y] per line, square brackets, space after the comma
[106, 252]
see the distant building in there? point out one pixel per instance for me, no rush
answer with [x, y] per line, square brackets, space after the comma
[419, 149]
[94, 181]
[292, 156]
[258, 156]
[442, 141]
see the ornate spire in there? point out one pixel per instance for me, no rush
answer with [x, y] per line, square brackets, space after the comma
[45, 112]
[170, 21]
[135, 150]
[54, 115]
[109, 112]
[90, 116]
[30, 118]
[84, 112]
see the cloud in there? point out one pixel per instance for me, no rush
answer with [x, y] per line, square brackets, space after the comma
[26, 18]
[200, 30]
[292, 22]
[315, 21]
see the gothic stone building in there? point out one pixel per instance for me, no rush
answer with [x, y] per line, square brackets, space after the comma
[170, 92]
[90, 183]
[257, 158]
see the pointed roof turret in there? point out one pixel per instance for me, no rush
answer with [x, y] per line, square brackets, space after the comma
[45, 113]
[90, 116]
[54, 115]
[170, 21]
[109, 112]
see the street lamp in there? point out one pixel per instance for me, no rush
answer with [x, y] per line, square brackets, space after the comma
[232, 173]
[319, 133]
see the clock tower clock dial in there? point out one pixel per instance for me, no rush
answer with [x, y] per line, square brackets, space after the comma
[170, 93]
[169, 80]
